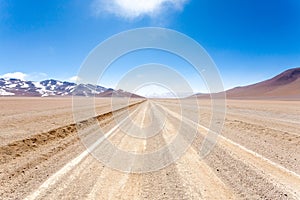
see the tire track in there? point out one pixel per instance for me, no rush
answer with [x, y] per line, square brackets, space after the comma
[25, 163]
[199, 179]
[259, 135]
[230, 171]
[114, 184]
[249, 179]
[69, 166]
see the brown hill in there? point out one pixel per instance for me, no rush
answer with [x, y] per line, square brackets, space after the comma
[283, 86]
[118, 93]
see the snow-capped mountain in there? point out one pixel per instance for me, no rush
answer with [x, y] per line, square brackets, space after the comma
[17, 87]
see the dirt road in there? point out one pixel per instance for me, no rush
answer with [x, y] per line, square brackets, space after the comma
[255, 157]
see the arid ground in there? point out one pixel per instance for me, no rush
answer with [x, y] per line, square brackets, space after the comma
[257, 155]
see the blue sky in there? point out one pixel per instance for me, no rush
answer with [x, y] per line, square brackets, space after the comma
[249, 40]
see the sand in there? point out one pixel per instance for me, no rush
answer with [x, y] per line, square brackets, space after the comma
[256, 156]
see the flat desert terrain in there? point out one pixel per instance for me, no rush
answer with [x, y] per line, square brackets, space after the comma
[44, 155]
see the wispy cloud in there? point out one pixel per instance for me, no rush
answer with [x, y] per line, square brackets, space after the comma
[131, 9]
[36, 76]
[17, 75]
[74, 79]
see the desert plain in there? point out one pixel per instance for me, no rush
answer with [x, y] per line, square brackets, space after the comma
[43, 155]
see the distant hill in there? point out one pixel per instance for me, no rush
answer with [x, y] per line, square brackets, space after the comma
[283, 86]
[56, 88]
[118, 93]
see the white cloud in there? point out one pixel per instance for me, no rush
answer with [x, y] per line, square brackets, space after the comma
[35, 76]
[131, 9]
[17, 75]
[74, 79]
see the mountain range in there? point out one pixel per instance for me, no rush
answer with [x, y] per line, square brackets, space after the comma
[54, 88]
[286, 85]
